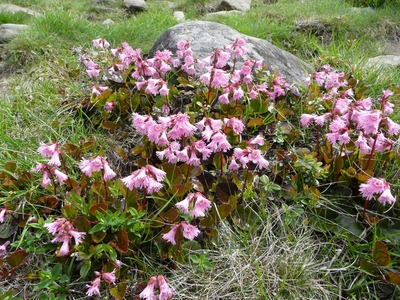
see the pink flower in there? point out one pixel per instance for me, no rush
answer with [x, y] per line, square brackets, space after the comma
[50, 150]
[255, 156]
[236, 124]
[60, 175]
[219, 142]
[368, 120]
[94, 288]
[166, 292]
[3, 248]
[200, 204]
[109, 277]
[147, 177]
[393, 127]
[109, 106]
[170, 235]
[373, 186]
[386, 197]
[101, 43]
[148, 292]
[141, 123]
[95, 164]
[44, 170]
[181, 126]
[189, 231]
[362, 144]
[3, 212]
[97, 90]
[62, 230]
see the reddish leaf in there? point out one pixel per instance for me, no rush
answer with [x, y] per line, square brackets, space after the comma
[121, 152]
[17, 258]
[98, 236]
[170, 216]
[224, 190]
[393, 278]
[10, 166]
[71, 149]
[101, 207]
[380, 254]
[180, 190]
[224, 210]
[254, 122]
[82, 224]
[87, 146]
[368, 267]
[108, 125]
[50, 202]
[121, 242]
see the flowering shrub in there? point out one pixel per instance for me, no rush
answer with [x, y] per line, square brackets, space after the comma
[211, 130]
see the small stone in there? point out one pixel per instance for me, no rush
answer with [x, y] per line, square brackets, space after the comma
[107, 22]
[179, 16]
[242, 5]
[383, 61]
[11, 8]
[9, 31]
[225, 13]
[135, 6]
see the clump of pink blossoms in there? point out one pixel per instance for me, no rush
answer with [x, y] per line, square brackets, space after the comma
[160, 282]
[189, 232]
[148, 178]
[94, 287]
[95, 164]
[377, 186]
[63, 231]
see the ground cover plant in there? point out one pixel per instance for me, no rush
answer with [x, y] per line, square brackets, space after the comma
[177, 177]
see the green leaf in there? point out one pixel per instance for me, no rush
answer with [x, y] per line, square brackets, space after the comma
[56, 270]
[194, 258]
[43, 284]
[380, 254]
[119, 291]
[85, 269]
[69, 212]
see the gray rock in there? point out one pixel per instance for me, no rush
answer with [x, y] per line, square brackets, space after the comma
[11, 8]
[383, 61]
[179, 16]
[107, 22]
[135, 6]
[242, 5]
[9, 31]
[205, 37]
[225, 13]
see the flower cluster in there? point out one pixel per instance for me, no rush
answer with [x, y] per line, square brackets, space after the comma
[63, 231]
[377, 186]
[94, 287]
[160, 282]
[95, 164]
[49, 169]
[148, 178]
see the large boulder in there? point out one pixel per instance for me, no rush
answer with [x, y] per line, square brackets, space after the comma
[205, 37]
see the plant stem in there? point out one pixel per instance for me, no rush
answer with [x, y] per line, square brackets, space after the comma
[144, 204]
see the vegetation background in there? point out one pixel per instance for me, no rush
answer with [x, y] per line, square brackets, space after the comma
[41, 88]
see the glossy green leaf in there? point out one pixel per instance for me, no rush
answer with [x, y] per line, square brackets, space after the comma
[119, 290]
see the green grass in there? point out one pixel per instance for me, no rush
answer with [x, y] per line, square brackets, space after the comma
[268, 259]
